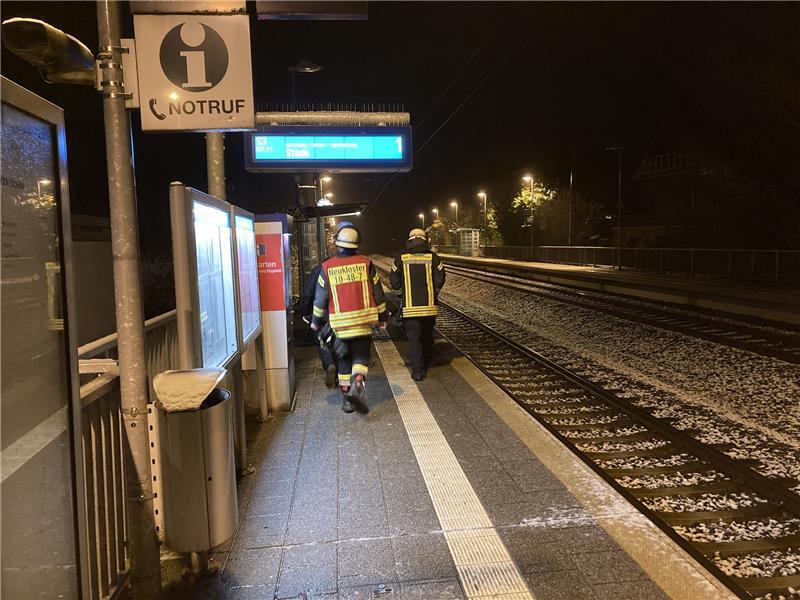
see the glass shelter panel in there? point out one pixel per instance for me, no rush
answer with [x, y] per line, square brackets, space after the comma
[248, 275]
[215, 285]
[37, 515]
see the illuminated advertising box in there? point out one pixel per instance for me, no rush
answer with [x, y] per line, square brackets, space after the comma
[337, 149]
[247, 273]
[215, 284]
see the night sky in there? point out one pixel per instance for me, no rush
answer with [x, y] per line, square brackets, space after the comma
[567, 80]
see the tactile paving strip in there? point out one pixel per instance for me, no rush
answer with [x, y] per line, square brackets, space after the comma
[484, 565]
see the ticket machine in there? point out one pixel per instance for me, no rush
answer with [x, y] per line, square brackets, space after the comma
[273, 249]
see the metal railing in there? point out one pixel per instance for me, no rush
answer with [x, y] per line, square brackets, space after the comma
[780, 265]
[104, 449]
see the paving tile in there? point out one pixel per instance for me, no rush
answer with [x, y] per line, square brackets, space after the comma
[254, 567]
[534, 551]
[307, 569]
[607, 567]
[255, 592]
[269, 505]
[423, 557]
[356, 524]
[364, 563]
[449, 589]
[411, 521]
[629, 590]
[560, 585]
[389, 591]
[588, 538]
[260, 532]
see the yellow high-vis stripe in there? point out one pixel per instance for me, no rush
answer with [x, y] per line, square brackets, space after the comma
[420, 311]
[319, 312]
[360, 369]
[429, 281]
[321, 280]
[394, 267]
[352, 332]
[344, 379]
[376, 279]
[381, 307]
[441, 266]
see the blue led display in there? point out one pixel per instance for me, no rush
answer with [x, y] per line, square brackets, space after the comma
[292, 149]
[327, 147]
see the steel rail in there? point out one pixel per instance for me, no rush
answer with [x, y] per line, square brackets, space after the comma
[780, 496]
[651, 315]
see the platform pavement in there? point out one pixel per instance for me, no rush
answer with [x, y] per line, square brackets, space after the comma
[338, 508]
[772, 300]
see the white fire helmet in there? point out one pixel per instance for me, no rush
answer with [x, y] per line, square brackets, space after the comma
[417, 233]
[348, 237]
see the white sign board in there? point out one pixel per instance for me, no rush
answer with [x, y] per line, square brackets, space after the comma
[194, 72]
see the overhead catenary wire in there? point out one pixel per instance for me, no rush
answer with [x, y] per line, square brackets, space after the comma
[453, 113]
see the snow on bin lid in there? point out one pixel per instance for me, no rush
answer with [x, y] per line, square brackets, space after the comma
[186, 389]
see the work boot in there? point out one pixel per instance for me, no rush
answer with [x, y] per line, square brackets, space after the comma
[358, 395]
[347, 406]
[330, 376]
[419, 375]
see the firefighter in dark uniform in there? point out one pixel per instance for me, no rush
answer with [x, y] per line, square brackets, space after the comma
[418, 275]
[350, 297]
[306, 307]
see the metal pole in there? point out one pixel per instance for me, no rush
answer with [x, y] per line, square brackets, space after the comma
[215, 164]
[485, 218]
[532, 257]
[619, 208]
[145, 571]
[569, 218]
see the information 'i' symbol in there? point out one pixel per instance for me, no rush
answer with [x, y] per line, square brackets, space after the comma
[193, 56]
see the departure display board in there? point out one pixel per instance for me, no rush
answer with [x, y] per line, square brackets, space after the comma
[343, 149]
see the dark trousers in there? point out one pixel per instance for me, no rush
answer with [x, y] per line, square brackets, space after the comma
[356, 361]
[326, 356]
[419, 331]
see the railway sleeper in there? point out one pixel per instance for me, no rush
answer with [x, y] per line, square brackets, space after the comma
[623, 422]
[764, 585]
[634, 437]
[692, 467]
[724, 549]
[709, 516]
[725, 486]
[665, 450]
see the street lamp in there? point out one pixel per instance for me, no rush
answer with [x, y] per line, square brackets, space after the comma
[435, 214]
[529, 179]
[329, 195]
[482, 196]
[422, 216]
[454, 204]
[619, 204]
[304, 66]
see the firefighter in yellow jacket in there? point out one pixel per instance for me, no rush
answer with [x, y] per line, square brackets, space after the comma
[419, 276]
[350, 297]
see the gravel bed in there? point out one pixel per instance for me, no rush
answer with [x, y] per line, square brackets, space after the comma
[734, 531]
[704, 502]
[727, 395]
[595, 433]
[778, 563]
[558, 409]
[671, 480]
[622, 446]
[646, 462]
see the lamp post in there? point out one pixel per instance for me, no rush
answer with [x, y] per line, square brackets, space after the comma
[529, 179]
[482, 196]
[422, 216]
[619, 204]
[454, 204]
[304, 66]
[435, 212]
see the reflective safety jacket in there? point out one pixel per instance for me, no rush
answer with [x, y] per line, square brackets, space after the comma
[419, 275]
[349, 296]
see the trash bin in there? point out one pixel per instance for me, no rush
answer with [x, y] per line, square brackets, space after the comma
[198, 475]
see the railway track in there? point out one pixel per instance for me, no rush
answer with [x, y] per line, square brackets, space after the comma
[742, 526]
[783, 345]
[684, 486]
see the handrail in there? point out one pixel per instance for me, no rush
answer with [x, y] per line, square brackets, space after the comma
[106, 343]
[665, 248]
